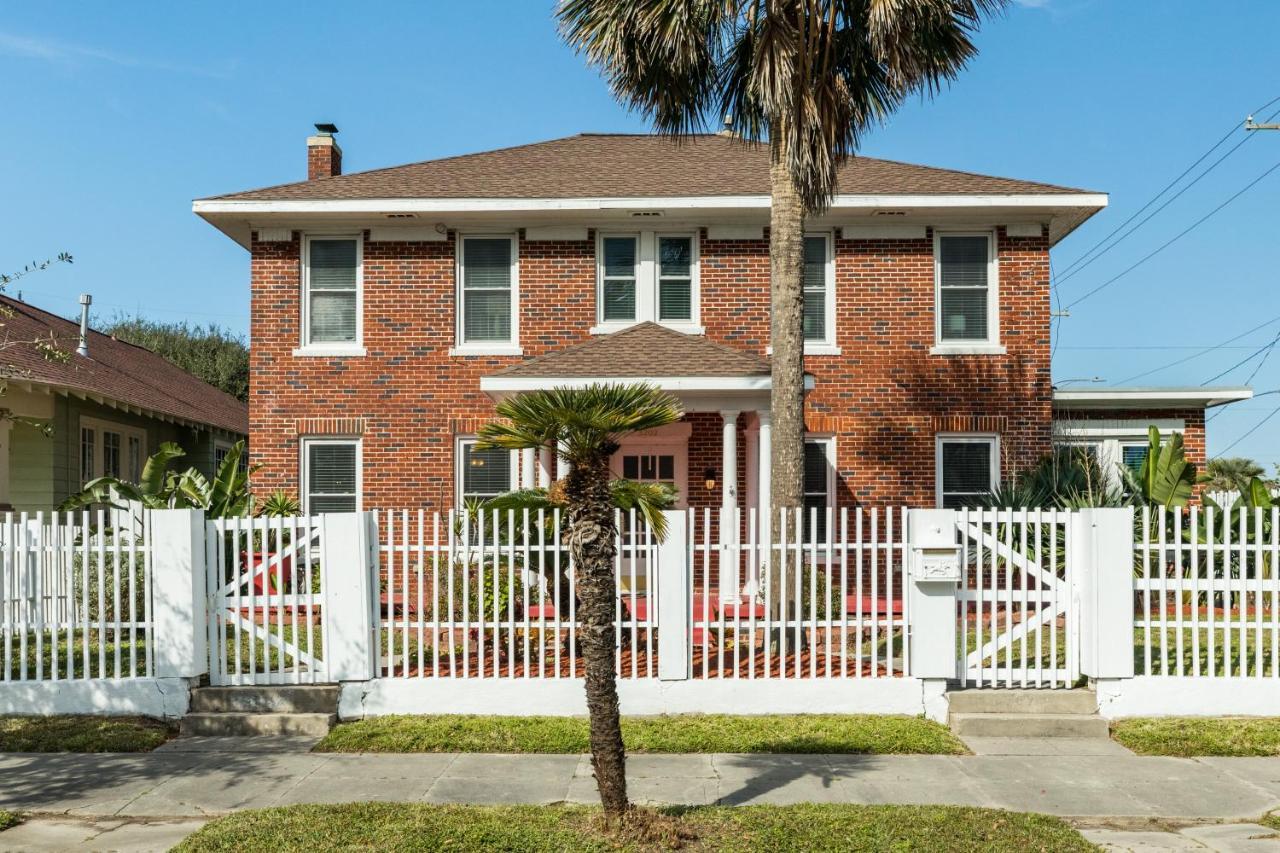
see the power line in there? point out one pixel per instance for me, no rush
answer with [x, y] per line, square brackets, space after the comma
[1204, 351]
[1175, 239]
[1234, 127]
[1264, 351]
[1254, 428]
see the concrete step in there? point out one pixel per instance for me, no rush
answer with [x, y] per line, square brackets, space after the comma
[1028, 725]
[309, 699]
[1022, 702]
[241, 724]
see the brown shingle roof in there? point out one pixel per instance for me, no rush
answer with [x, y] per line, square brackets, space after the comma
[643, 350]
[113, 370]
[624, 166]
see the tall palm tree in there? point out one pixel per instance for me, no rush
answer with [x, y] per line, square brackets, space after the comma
[585, 425]
[810, 76]
[1232, 473]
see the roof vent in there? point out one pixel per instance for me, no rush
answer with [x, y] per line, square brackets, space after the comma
[83, 347]
[890, 213]
[646, 214]
[401, 216]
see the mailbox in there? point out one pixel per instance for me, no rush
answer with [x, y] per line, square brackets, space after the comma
[936, 564]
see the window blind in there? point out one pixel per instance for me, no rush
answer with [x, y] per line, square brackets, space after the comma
[331, 478]
[966, 472]
[485, 473]
[486, 289]
[816, 498]
[963, 276]
[618, 285]
[675, 278]
[815, 288]
[331, 279]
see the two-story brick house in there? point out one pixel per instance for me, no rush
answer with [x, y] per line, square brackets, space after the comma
[391, 308]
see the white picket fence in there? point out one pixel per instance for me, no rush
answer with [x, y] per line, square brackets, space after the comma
[75, 597]
[1207, 587]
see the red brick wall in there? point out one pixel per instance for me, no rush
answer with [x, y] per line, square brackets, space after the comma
[884, 398]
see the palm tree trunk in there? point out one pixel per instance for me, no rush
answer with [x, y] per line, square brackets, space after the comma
[591, 541]
[786, 275]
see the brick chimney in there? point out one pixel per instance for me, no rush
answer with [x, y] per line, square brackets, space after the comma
[324, 157]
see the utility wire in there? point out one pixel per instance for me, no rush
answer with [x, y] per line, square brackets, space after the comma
[1204, 351]
[1254, 428]
[1175, 239]
[1264, 351]
[1080, 263]
[1169, 186]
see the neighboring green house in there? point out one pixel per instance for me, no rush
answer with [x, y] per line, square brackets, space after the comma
[106, 407]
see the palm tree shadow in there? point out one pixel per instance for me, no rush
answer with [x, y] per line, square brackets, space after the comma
[773, 773]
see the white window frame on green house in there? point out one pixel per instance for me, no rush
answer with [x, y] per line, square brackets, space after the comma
[463, 346]
[948, 345]
[100, 426]
[944, 438]
[1111, 437]
[309, 347]
[648, 276]
[460, 462]
[304, 467]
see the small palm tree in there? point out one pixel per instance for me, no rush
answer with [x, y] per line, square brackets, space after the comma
[1232, 473]
[585, 425]
[810, 76]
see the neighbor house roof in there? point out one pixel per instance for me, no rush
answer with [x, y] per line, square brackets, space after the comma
[592, 165]
[1149, 397]
[114, 372]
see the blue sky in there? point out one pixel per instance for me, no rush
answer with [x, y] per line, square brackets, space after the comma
[117, 115]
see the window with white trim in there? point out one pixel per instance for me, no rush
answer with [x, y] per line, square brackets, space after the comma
[819, 290]
[330, 475]
[646, 275]
[819, 485]
[966, 298]
[332, 282]
[483, 473]
[967, 469]
[488, 287]
[109, 449]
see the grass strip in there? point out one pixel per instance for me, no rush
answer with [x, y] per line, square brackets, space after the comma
[1191, 736]
[76, 733]
[8, 820]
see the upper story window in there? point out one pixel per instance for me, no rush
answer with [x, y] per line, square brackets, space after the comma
[488, 295]
[967, 297]
[332, 281]
[646, 275]
[819, 291]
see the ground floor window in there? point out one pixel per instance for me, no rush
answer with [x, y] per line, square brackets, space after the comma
[109, 449]
[1116, 445]
[330, 475]
[819, 482]
[483, 473]
[967, 468]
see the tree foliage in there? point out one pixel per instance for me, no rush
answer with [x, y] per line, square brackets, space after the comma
[211, 353]
[1232, 473]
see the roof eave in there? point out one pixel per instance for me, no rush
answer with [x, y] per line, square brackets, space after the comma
[1149, 398]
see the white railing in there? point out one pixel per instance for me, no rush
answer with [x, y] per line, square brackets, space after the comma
[264, 580]
[1017, 625]
[828, 603]
[1207, 589]
[494, 595]
[75, 597]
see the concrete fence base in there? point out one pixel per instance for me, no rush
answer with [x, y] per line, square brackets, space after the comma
[152, 697]
[1156, 696]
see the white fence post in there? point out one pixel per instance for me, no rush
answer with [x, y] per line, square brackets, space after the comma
[675, 601]
[1102, 556]
[349, 561]
[178, 598]
[935, 573]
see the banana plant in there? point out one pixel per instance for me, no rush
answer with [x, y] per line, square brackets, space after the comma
[1251, 512]
[1166, 478]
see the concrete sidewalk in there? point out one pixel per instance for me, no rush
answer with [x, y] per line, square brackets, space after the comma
[216, 776]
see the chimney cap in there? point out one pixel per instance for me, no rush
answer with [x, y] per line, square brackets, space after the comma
[326, 128]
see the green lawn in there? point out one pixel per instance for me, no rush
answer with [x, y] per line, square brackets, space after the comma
[1189, 736]
[801, 733]
[72, 656]
[82, 734]
[395, 826]
[7, 820]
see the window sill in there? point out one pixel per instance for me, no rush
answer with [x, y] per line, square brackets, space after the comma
[814, 348]
[967, 349]
[329, 351]
[683, 328]
[468, 350]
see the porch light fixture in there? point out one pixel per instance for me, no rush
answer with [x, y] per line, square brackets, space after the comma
[709, 479]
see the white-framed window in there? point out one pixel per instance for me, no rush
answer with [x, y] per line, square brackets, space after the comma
[222, 448]
[646, 275]
[819, 484]
[1115, 444]
[488, 274]
[657, 456]
[482, 474]
[332, 294]
[109, 449]
[967, 467]
[966, 298]
[819, 292]
[331, 475]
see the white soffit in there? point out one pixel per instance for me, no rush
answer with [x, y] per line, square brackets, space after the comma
[735, 232]
[406, 234]
[1024, 229]
[883, 231]
[555, 232]
[274, 235]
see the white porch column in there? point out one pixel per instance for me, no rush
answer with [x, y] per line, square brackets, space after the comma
[729, 460]
[764, 457]
[544, 467]
[5, 493]
[526, 468]
[562, 467]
